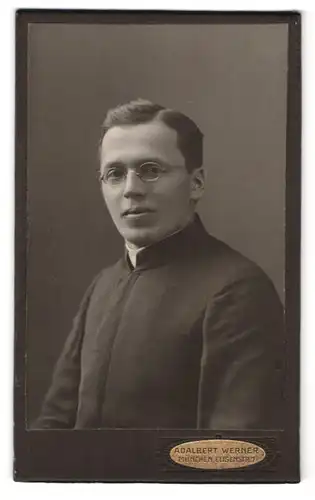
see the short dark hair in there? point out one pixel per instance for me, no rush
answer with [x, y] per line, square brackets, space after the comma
[189, 136]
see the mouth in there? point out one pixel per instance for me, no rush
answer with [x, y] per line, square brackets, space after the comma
[136, 212]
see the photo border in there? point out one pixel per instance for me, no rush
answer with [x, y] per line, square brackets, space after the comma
[86, 454]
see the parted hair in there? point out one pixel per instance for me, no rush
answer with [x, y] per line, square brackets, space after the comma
[189, 136]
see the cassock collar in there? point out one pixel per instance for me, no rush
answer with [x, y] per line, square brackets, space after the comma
[189, 241]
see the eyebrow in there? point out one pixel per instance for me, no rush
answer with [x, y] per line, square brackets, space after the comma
[118, 163]
[113, 164]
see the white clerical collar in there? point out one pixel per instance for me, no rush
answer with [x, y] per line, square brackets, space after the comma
[133, 252]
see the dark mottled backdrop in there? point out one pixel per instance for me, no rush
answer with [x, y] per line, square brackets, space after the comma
[231, 79]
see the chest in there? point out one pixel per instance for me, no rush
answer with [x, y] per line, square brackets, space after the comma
[155, 312]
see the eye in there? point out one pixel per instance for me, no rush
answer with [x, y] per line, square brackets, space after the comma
[151, 170]
[115, 174]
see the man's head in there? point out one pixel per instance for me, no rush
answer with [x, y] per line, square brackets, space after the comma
[151, 170]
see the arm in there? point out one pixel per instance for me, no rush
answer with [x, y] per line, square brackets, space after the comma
[241, 372]
[60, 404]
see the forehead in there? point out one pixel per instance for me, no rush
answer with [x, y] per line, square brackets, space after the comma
[134, 143]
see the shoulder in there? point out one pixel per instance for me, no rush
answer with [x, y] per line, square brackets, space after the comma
[99, 288]
[230, 271]
[227, 261]
[105, 280]
[109, 272]
[242, 299]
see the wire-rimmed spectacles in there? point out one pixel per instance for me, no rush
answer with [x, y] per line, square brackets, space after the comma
[148, 171]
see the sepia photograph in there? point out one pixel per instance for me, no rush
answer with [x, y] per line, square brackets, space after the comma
[157, 246]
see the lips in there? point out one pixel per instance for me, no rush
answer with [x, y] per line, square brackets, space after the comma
[136, 211]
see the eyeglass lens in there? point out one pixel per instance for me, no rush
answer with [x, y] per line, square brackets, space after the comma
[149, 171]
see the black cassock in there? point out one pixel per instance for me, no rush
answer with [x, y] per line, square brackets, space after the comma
[192, 337]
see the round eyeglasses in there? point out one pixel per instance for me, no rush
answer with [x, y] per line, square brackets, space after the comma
[149, 171]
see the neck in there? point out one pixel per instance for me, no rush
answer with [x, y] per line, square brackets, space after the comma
[135, 248]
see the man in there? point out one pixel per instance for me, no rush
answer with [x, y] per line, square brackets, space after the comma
[183, 331]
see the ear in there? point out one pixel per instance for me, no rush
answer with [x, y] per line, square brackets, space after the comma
[197, 180]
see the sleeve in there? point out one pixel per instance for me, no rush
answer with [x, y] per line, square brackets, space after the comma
[241, 375]
[61, 401]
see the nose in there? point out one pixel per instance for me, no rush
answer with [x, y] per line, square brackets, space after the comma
[134, 186]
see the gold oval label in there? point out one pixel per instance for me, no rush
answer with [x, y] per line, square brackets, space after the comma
[217, 454]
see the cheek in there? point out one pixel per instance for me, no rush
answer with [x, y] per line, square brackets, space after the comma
[111, 198]
[177, 195]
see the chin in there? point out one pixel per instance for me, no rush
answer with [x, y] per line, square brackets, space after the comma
[141, 237]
